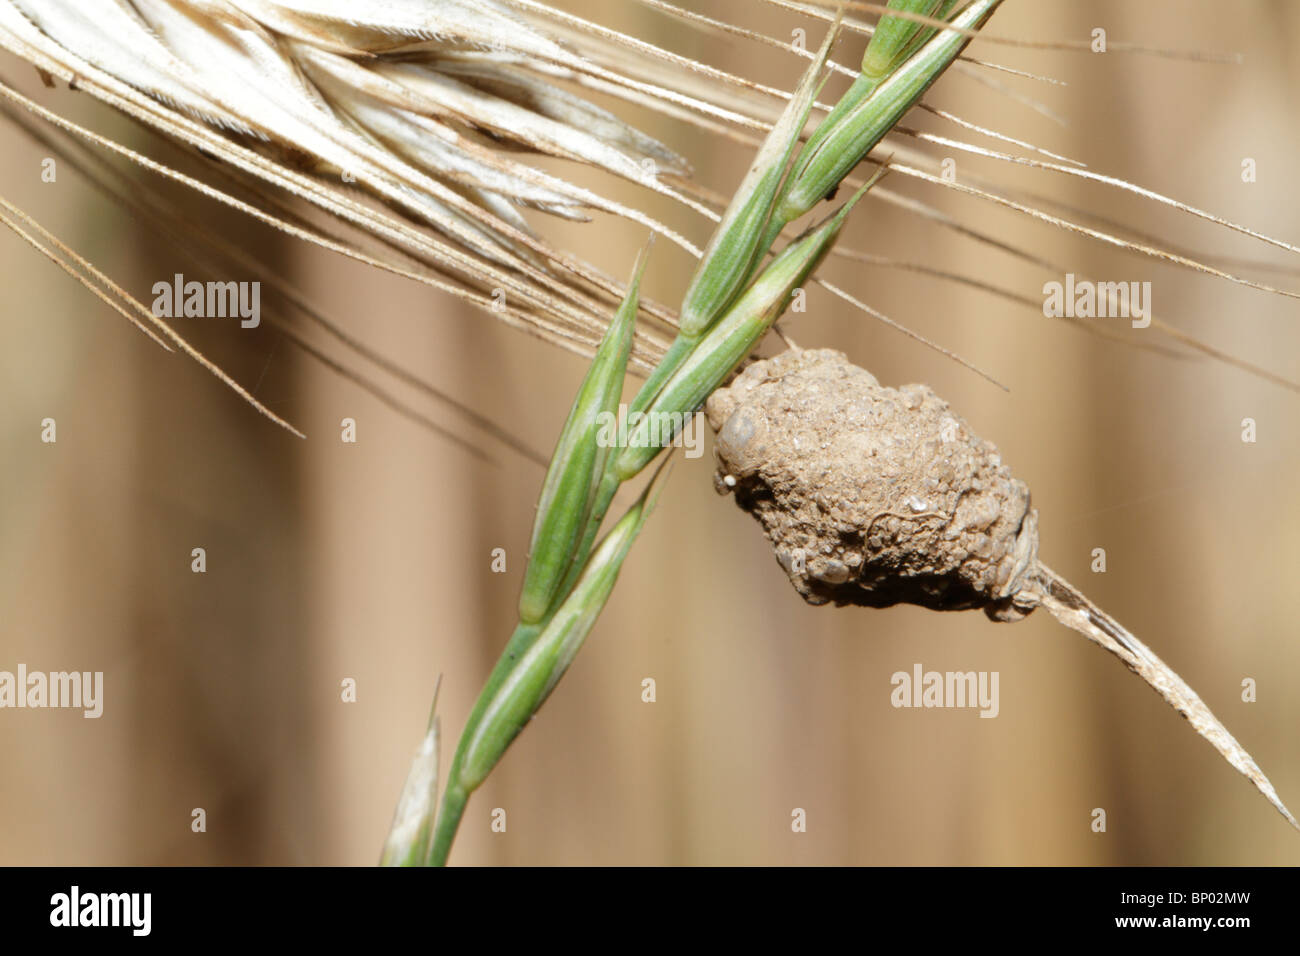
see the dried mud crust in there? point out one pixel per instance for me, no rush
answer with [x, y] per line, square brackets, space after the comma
[872, 495]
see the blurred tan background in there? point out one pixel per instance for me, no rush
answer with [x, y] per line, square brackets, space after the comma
[371, 561]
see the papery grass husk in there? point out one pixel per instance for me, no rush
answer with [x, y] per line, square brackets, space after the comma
[412, 102]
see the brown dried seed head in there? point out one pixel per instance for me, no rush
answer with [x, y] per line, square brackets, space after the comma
[872, 495]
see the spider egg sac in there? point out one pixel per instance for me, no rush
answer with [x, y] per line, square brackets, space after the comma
[871, 495]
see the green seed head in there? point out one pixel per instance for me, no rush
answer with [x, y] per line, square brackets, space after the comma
[735, 250]
[542, 665]
[890, 46]
[577, 464]
[923, 34]
[893, 34]
[820, 169]
[732, 338]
